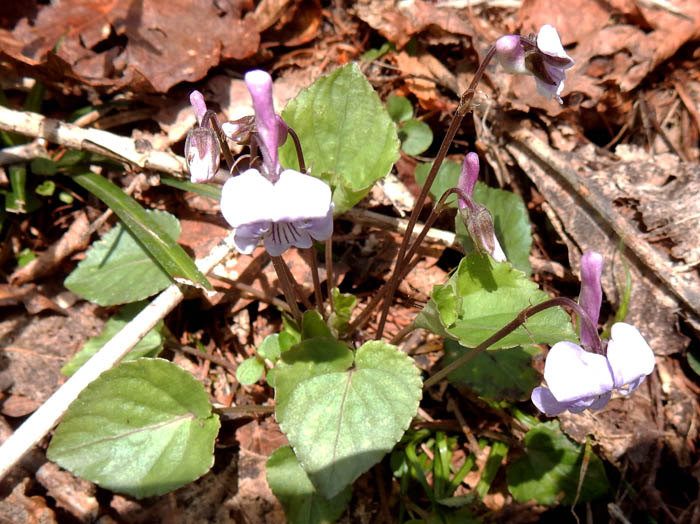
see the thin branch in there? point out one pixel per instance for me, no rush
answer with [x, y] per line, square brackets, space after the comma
[120, 148]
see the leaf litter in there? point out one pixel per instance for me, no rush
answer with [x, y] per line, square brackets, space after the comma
[628, 54]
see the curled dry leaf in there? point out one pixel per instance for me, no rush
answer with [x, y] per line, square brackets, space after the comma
[166, 42]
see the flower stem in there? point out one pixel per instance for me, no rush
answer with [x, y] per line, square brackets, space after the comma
[363, 317]
[297, 146]
[287, 289]
[507, 329]
[311, 255]
[462, 109]
[330, 283]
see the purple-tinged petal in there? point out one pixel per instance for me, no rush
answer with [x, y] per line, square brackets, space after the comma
[259, 84]
[630, 357]
[301, 196]
[283, 235]
[248, 198]
[511, 55]
[498, 254]
[550, 91]
[549, 43]
[198, 105]
[543, 400]
[574, 374]
[591, 296]
[247, 236]
[318, 228]
[468, 177]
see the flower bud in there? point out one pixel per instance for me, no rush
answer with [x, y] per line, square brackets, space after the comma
[202, 154]
[479, 223]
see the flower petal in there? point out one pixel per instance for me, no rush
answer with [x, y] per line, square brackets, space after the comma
[543, 400]
[318, 228]
[301, 196]
[574, 374]
[549, 43]
[630, 357]
[248, 198]
[511, 55]
[247, 236]
[282, 235]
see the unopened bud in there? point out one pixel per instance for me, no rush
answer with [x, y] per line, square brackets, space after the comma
[479, 223]
[202, 154]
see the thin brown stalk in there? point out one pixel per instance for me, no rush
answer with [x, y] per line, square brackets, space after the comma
[330, 284]
[287, 288]
[311, 254]
[462, 109]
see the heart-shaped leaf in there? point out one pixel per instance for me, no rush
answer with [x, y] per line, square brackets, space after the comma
[117, 269]
[301, 502]
[149, 346]
[341, 418]
[503, 374]
[143, 428]
[346, 134]
[483, 296]
[551, 467]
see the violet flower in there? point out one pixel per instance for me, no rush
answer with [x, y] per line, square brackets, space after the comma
[202, 150]
[477, 217]
[578, 379]
[542, 57]
[282, 207]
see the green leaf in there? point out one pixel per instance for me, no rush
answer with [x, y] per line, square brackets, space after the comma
[162, 246]
[503, 374]
[43, 166]
[35, 98]
[301, 502]
[149, 346]
[416, 137]
[46, 188]
[446, 178]
[142, 428]
[24, 257]
[250, 371]
[270, 347]
[399, 108]
[312, 325]
[490, 295]
[290, 334]
[511, 222]
[551, 468]
[344, 303]
[19, 200]
[117, 269]
[498, 452]
[342, 418]
[693, 357]
[346, 133]
[374, 53]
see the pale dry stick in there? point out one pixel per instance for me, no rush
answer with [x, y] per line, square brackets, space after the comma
[49, 413]
[400, 225]
[120, 148]
[23, 153]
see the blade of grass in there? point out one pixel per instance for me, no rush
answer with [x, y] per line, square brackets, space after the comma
[164, 249]
[201, 189]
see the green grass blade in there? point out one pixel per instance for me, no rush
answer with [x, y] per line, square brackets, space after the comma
[163, 248]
